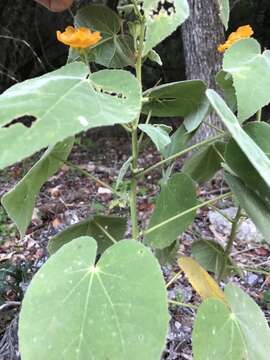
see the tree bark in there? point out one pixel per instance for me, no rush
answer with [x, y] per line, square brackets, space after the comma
[201, 34]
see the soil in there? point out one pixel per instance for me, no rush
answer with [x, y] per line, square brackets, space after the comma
[69, 197]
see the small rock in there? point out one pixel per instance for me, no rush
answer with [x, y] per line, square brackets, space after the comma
[247, 230]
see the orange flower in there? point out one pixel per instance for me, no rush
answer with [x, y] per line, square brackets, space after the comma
[79, 38]
[243, 32]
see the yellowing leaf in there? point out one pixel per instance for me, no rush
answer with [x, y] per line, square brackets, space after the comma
[201, 281]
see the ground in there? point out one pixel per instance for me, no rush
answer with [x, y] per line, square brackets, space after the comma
[69, 197]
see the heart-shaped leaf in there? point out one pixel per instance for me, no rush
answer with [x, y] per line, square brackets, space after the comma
[200, 280]
[176, 196]
[216, 334]
[251, 76]
[115, 50]
[162, 18]
[253, 152]
[103, 228]
[75, 309]
[251, 321]
[235, 331]
[64, 102]
[19, 202]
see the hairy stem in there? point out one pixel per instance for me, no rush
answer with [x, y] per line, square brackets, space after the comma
[229, 245]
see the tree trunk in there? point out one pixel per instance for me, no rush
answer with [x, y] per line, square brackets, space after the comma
[202, 33]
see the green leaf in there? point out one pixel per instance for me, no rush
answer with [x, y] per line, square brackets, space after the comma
[181, 98]
[122, 172]
[75, 309]
[224, 12]
[115, 50]
[225, 82]
[241, 166]
[256, 209]
[64, 102]
[216, 334]
[168, 254]
[154, 56]
[235, 332]
[252, 323]
[253, 152]
[162, 20]
[204, 164]
[195, 118]
[159, 136]
[19, 202]
[211, 256]
[179, 141]
[176, 196]
[251, 76]
[92, 226]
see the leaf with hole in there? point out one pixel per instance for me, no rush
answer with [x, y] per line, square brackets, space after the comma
[253, 152]
[200, 280]
[255, 207]
[251, 76]
[235, 331]
[19, 202]
[64, 102]
[100, 309]
[98, 226]
[205, 163]
[181, 98]
[176, 196]
[115, 50]
[162, 19]
[157, 134]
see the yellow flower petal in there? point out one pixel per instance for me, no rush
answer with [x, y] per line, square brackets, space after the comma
[243, 32]
[79, 38]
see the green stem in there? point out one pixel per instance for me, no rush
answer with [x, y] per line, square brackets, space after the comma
[133, 189]
[180, 153]
[183, 304]
[177, 216]
[142, 133]
[259, 115]
[229, 245]
[134, 137]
